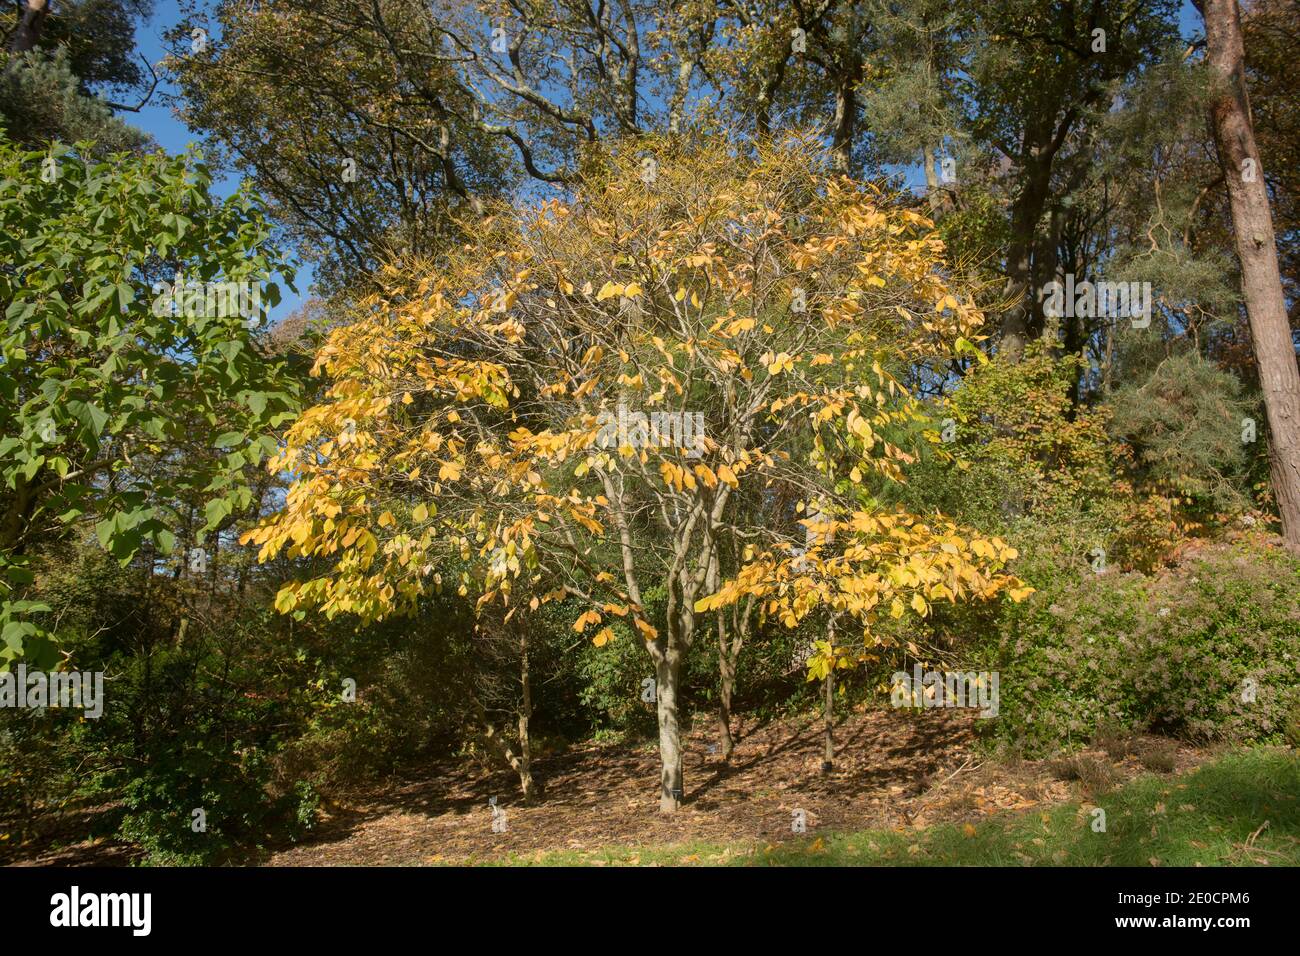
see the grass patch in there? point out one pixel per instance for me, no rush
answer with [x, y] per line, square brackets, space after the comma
[1242, 809]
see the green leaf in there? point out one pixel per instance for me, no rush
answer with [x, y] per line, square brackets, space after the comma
[216, 510]
[91, 416]
[104, 530]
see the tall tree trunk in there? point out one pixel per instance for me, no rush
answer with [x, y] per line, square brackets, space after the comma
[29, 29]
[842, 126]
[937, 195]
[19, 506]
[1252, 224]
[932, 194]
[1025, 213]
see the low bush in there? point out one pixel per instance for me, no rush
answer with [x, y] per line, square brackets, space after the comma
[1207, 651]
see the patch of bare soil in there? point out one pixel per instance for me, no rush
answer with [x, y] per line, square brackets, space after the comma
[891, 771]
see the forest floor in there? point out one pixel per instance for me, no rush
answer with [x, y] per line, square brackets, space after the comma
[891, 773]
[899, 782]
[1241, 808]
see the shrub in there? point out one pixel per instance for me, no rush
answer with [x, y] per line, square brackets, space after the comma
[1174, 653]
[198, 772]
[1184, 424]
[611, 686]
[1024, 448]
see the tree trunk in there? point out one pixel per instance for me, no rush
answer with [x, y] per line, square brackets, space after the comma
[828, 716]
[729, 664]
[1025, 213]
[29, 29]
[842, 127]
[18, 511]
[937, 195]
[1252, 224]
[526, 781]
[828, 724]
[501, 748]
[671, 778]
[727, 683]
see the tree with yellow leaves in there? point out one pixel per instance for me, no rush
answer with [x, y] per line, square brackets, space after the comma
[666, 382]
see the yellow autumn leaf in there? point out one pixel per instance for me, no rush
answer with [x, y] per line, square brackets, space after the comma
[608, 291]
[780, 363]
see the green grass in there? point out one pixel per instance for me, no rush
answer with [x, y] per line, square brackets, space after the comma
[1209, 817]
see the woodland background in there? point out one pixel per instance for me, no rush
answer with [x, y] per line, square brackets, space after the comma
[1072, 437]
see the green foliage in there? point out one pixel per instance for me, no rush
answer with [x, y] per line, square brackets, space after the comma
[355, 161]
[911, 106]
[46, 94]
[611, 685]
[1021, 446]
[192, 771]
[976, 231]
[202, 697]
[98, 385]
[97, 38]
[1184, 424]
[42, 101]
[1033, 62]
[1168, 653]
[610, 677]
